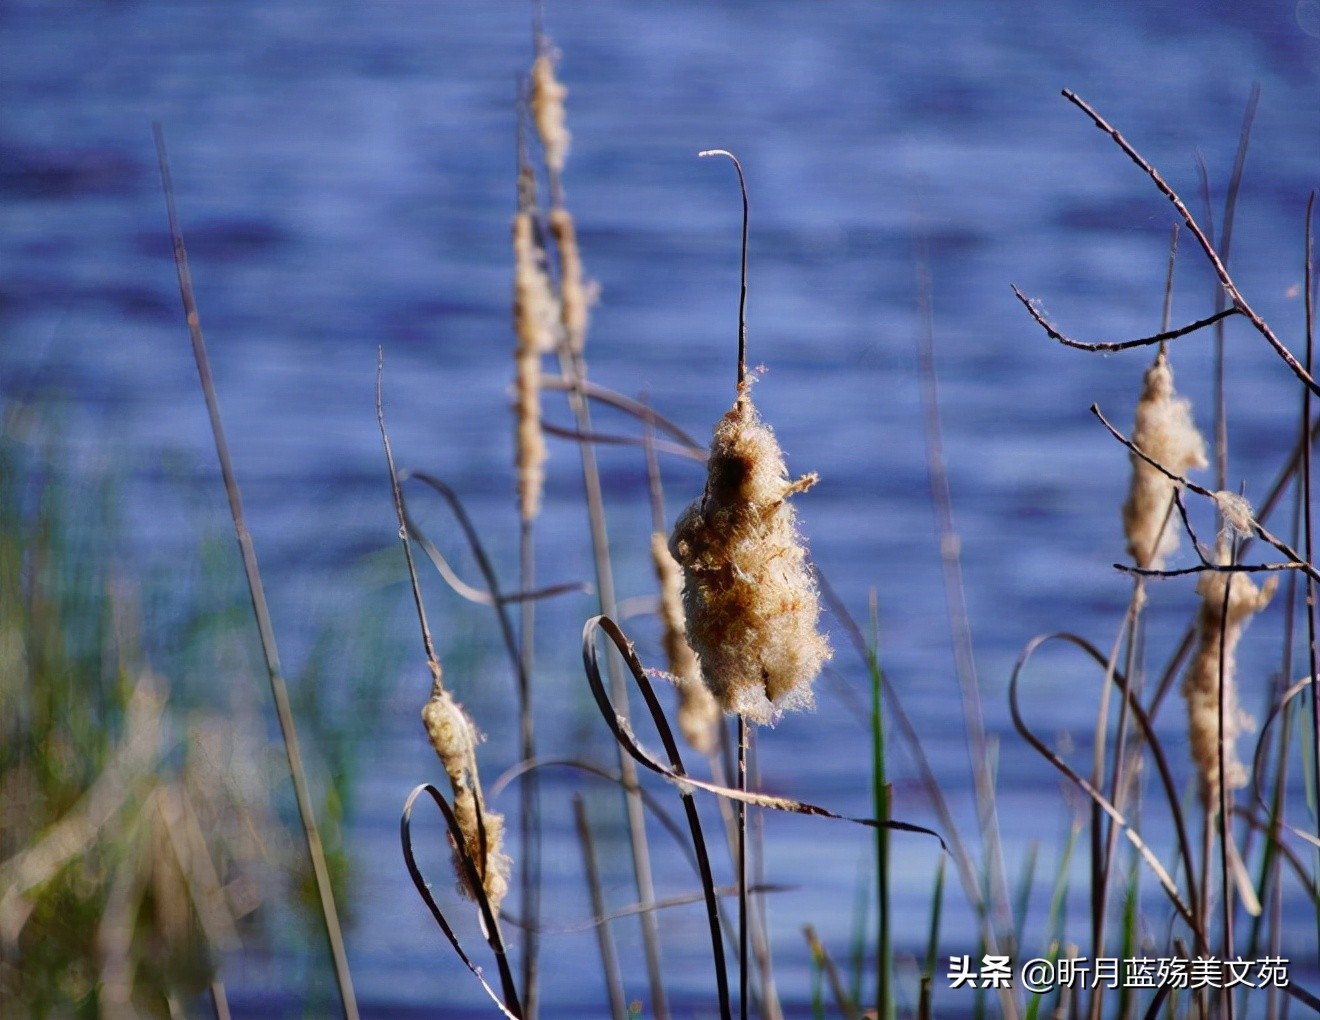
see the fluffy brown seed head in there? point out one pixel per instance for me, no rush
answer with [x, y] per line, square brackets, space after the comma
[547, 101]
[1165, 432]
[535, 315]
[454, 739]
[1201, 683]
[751, 602]
[576, 293]
[698, 713]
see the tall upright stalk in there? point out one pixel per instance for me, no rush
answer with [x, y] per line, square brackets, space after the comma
[740, 809]
[996, 920]
[880, 793]
[278, 688]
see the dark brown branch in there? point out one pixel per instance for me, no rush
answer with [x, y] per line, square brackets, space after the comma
[605, 439]
[1221, 568]
[1207, 246]
[605, 395]
[1119, 345]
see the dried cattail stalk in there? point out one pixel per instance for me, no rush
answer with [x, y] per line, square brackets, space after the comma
[547, 102]
[534, 314]
[751, 602]
[698, 714]
[455, 741]
[1200, 685]
[1165, 432]
[576, 295]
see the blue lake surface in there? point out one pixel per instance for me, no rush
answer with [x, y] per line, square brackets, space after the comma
[344, 175]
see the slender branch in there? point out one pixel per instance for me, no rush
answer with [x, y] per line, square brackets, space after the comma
[1295, 561]
[1207, 246]
[605, 439]
[1207, 568]
[605, 395]
[1110, 346]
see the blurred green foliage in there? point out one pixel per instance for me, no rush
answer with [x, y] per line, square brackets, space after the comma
[141, 826]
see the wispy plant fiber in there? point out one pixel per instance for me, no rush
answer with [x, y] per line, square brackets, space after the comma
[751, 601]
[1164, 431]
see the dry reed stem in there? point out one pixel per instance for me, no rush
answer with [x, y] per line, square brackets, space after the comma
[1201, 683]
[698, 712]
[751, 601]
[454, 738]
[1165, 431]
[534, 313]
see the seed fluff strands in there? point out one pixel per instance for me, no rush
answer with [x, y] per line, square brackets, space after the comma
[534, 314]
[547, 100]
[576, 294]
[751, 602]
[698, 712]
[455, 739]
[1165, 432]
[1200, 685]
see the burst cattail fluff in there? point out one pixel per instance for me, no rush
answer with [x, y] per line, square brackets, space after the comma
[1200, 685]
[751, 602]
[1237, 515]
[698, 714]
[548, 95]
[1166, 433]
[534, 315]
[455, 741]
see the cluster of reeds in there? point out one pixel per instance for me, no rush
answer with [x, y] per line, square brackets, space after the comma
[742, 631]
[139, 836]
[740, 620]
[1230, 894]
[738, 610]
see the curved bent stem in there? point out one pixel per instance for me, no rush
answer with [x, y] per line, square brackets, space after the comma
[510, 1006]
[1153, 862]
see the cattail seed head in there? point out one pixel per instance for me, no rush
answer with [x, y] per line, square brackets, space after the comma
[1166, 433]
[547, 102]
[698, 712]
[455, 739]
[1201, 683]
[535, 315]
[576, 294]
[751, 602]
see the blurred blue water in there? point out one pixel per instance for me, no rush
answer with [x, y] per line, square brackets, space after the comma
[344, 177]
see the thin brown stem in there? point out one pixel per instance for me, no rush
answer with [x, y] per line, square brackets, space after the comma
[1308, 530]
[609, 959]
[741, 808]
[1110, 346]
[257, 591]
[742, 295]
[999, 913]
